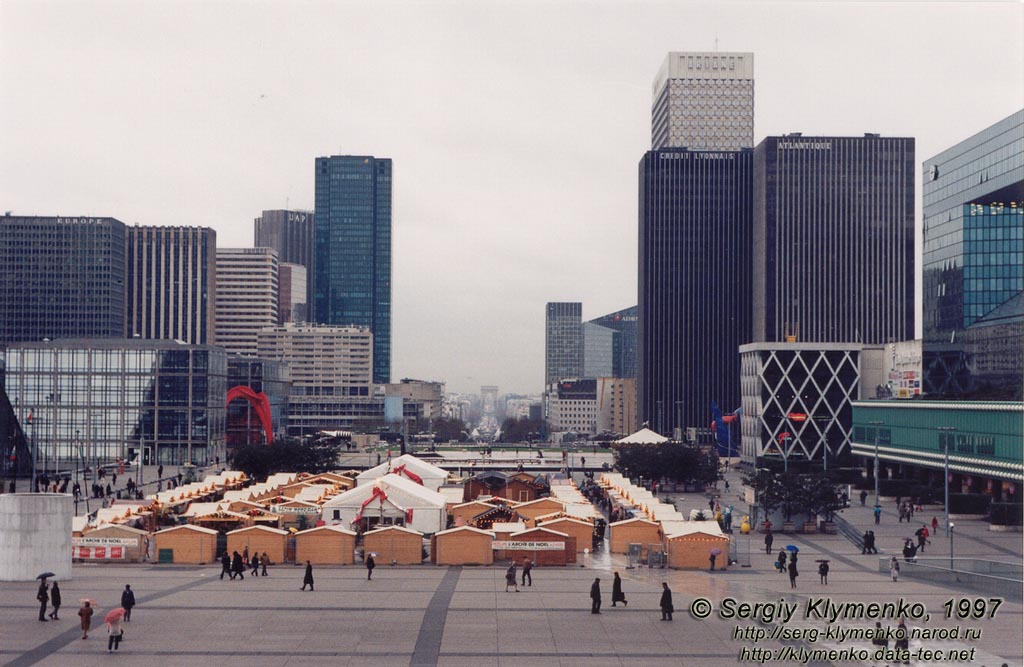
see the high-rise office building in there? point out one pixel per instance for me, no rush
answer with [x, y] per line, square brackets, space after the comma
[694, 283]
[624, 341]
[704, 100]
[61, 277]
[834, 239]
[247, 296]
[973, 306]
[598, 350]
[172, 274]
[291, 303]
[290, 233]
[352, 250]
[563, 341]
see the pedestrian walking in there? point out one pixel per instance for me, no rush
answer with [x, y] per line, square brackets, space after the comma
[863, 497]
[510, 577]
[527, 571]
[894, 568]
[878, 514]
[255, 563]
[115, 633]
[370, 564]
[245, 554]
[922, 538]
[902, 642]
[823, 573]
[595, 596]
[237, 565]
[793, 574]
[264, 559]
[617, 594]
[43, 595]
[307, 579]
[780, 562]
[865, 542]
[85, 614]
[225, 566]
[127, 601]
[769, 538]
[935, 525]
[880, 638]
[55, 601]
[666, 602]
[711, 559]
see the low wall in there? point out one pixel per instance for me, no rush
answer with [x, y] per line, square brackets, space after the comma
[36, 530]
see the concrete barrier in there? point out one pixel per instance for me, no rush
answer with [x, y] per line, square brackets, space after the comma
[36, 530]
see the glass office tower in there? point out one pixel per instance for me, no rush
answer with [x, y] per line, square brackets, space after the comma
[563, 341]
[352, 250]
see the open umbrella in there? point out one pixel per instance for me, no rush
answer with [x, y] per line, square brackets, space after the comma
[792, 547]
[46, 575]
[716, 551]
[92, 603]
[114, 615]
[822, 560]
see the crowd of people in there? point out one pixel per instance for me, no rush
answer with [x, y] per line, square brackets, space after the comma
[50, 598]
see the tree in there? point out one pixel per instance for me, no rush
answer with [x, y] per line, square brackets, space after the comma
[680, 463]
[286, 455]
[519, 430]
[446, 429]
[821, 497]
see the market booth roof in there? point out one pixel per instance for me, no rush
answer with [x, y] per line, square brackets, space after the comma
[410, 467]
[644, 436]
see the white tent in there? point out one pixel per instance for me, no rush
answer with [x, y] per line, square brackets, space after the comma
[408, 466]
[396, 498]
[644, 436]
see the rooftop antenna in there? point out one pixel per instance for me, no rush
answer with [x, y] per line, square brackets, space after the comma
[716, 44]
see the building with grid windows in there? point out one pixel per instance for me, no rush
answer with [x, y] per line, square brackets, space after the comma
[61, 277]
[563, 341]
[352, 250]
[248, 290]
[694, 284]
[973, 293]
[272, 378]
[704, 100]
[609, 344]
[97, 400]
[172, 283]
[290, 233]
[834, 239]
[572, 406]
[292, 285]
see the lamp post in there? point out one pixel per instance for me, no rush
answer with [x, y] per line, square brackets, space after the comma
[876, 424]
[950, 530]
[945, 433]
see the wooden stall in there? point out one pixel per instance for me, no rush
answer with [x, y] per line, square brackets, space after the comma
[581, 531]
[192, 545]
[692, 550]
[542, 545]
[462, 546]
[529, 511]
[326, 545]
[463, 514]
[260, 539]
[394, 544]
[110, 543]
[633, 531]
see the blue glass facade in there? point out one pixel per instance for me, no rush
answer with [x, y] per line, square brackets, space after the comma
[624, 342]
[352, 249]
[993, 258]
[694, 283]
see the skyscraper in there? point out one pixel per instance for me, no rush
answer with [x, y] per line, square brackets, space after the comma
[172, 274]
[973, 293]
[694, 283]
[704, 100]
[61, 277]
[352, 250]
[834, 239]
[247, 296]
[623, 353]
[563, 341]
[290, 233]
[292, 282]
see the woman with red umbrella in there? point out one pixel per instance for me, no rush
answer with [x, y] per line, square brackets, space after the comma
[115, 632]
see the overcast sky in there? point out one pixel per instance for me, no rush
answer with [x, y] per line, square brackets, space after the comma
[515, 128]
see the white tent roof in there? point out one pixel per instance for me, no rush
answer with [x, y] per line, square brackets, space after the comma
[412, 464]
[644, 436]
[201, 509]
[453, 494]
[403, 491]
[690, 527]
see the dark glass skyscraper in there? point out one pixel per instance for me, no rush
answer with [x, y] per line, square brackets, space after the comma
[694, 283]
[624, 342]
[61, 278]
[352, 249]
[563, 341]
[834, 239]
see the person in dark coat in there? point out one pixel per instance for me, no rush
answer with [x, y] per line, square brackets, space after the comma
[823, 573]
[595, 596]
[307, 579]
[711, 559]
[510, 577]
[255, 563]
[264, 559]
[769, 538]
[527, 569]
[793, 574]
[55, 601]
[237, 565]
[85, 613]
[225, 566]
[617, 594]
[780, 562]
[127, 601]
[666, 602]
[43, 595]
[370, 564]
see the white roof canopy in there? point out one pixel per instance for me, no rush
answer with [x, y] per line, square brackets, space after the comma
[644, 436]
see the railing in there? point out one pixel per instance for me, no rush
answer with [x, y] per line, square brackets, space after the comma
[1002, 578]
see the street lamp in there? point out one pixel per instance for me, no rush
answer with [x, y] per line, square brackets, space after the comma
[876, 424]
[945, 473]
[950, 530]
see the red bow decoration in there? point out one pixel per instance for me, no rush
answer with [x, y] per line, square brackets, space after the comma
[402, 470]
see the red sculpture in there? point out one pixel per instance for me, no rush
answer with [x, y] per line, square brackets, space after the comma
[259, 402]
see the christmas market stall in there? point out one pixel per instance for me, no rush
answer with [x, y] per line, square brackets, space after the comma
[541, 545]
[192, 545]
[259, 539]
[691, 549]
[634, 531]
[325, 545]
[395, 545]
[111, 543]
[462, 546]
[390, 500]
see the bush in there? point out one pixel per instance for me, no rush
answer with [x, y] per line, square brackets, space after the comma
[1006, 514]
[969, 503]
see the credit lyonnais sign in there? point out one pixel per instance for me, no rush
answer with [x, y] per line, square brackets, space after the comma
[528, 546]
